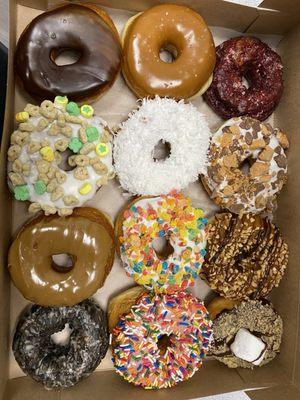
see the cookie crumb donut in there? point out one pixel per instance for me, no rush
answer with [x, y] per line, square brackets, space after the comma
[182, 33]
[83, 28]
[86, 237]
[61, 365]
[59, 156]
[240, 141]
[247, 336]
[162, 340]
[173, 218]
[246, 256]
[122, 303]
[179, 125]
[250, 58]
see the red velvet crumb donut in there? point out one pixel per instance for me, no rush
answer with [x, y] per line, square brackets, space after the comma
[254, 60]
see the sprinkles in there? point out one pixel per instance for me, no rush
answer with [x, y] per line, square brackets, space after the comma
[171, 217]
[137, 355]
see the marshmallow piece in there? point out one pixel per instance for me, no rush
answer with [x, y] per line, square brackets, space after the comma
[248, 347]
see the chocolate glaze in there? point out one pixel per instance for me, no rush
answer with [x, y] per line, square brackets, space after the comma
[70, 27]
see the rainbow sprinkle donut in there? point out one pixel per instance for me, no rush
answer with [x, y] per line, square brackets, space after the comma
[162, 340]
[171, 217]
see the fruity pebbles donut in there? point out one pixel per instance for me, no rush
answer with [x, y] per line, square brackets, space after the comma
[240, 141]
[162, 340]
[178, 125]
[250, 58]
[59, 156]
[170, 217]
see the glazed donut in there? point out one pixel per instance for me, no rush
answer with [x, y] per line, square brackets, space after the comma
[63, 364]
[121, 304]
[238, 141]
[162, 340]
[248, 335]
[246, 256]
[86, 236]
[83, 28]
[250, 58]
[161, 120]
[171, 217]
[184, 34]
[47, 138]
[220, 304]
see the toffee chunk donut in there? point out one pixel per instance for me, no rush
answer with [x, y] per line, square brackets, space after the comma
[254, 60]
[240, 141]
[36, 267]
[248, 335]
[176, 266]
[86, 29]
[61, 365]
[162, 340]
[246, 256]
[156, 121]
[60, 155]
[183, 34]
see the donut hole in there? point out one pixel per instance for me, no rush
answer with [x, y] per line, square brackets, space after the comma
[62, 337]
[163, 343]
[161, 151]
[64, 164]
[65, 56]
[162, 247]
[245, 165]
[62, 262]
[168, 53]
[246, 82]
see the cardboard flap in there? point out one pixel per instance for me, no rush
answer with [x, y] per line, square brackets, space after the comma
[287, 6]
[274, 22]
[289, 392]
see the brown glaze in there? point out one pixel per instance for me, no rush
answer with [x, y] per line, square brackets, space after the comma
[85, 29]
[160, 27]
[86, 235]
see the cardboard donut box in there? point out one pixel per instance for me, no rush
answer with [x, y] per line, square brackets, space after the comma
[279, 379]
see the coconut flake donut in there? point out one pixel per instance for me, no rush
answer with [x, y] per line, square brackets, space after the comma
[42, 351]
[162, 340]
[161, 120]
[183, 34]
[38, 269]
[45, 136]
[171, 217]
[238, 141]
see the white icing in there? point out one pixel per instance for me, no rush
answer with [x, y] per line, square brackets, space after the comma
[248, 347]
[164, 119]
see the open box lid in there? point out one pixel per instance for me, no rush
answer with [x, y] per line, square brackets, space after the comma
[214, 377]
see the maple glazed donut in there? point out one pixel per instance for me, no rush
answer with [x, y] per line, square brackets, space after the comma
[60, 155]
[85, 29]
[250, 58]
[178, 30]
[238, 141]
[86, 236]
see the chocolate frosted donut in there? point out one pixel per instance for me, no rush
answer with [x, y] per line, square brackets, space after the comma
[254, 60]
[246, 256]
[61, 365]
[87, 30]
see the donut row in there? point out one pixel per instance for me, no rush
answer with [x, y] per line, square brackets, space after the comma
[61, 154]
[167, 50]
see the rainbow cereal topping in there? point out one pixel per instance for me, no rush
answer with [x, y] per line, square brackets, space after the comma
[137, 355]
[174, 218]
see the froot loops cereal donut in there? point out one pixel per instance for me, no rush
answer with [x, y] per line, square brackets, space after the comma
[162, 340]
[248, 335]
[254, 60]
[83, 28]
[171, 217]
[180, 126]
[38, 262]
[240, 141]
[183, 34]
[60, 155]
[46, 353]
[246, 255]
